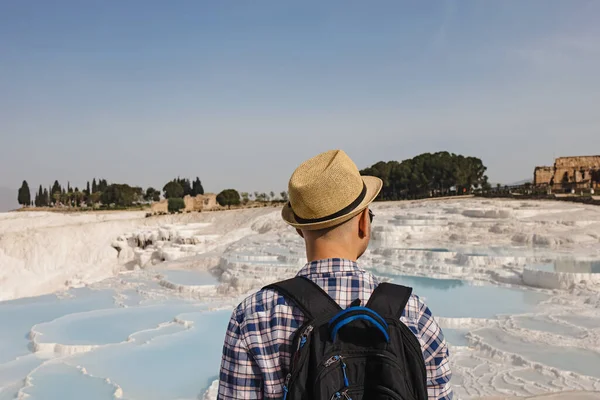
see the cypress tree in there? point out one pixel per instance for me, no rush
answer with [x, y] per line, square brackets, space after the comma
[46, 198]
[197, 187]
[56, 188]
[94, 187]
[24, 195]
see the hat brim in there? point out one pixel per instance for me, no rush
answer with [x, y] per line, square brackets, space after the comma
[373, 185]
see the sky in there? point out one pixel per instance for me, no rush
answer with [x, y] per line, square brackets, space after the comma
[240, 93]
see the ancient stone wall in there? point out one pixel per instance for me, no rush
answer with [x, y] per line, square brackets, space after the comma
[161, 206]
[543, 175]
[575, 172]
[575, 169]
[201, 202]
[578, 162]
[210, 201]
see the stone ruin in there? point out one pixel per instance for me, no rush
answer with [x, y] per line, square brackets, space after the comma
[201, 202]
[570, 173]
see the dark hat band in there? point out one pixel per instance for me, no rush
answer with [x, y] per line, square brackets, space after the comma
[346, 210]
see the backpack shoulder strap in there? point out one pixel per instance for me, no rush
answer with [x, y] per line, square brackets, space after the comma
[307, 295]
[389, 299]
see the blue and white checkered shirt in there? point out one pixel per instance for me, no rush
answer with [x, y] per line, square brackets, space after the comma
[257, 349]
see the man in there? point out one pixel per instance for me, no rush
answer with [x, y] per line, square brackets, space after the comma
[329, 207]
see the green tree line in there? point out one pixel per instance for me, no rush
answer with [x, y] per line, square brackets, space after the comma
[428, 174]
[100, 192]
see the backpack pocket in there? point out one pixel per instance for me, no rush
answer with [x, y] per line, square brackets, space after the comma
[376, 392]
[377, 375]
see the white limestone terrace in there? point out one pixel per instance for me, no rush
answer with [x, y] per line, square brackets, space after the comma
[514, 284]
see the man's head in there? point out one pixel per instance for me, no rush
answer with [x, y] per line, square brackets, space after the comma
[348, 240]
[328, 206]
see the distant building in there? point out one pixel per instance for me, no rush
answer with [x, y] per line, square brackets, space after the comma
[570, 173]
[201, 202]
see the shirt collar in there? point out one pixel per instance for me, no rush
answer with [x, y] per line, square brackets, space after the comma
[330, 266]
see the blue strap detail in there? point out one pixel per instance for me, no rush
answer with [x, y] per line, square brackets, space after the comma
[354, 318]
[359, 308]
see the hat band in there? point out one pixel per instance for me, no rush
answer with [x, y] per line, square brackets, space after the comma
[344, 211]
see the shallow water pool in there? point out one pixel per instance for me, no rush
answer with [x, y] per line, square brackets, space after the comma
[460, 299]
[191, 278]
[175, 366]
[60, 381]
[19, 316]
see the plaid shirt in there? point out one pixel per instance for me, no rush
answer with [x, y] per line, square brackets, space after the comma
[257, 349]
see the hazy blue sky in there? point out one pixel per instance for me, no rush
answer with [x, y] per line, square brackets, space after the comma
[239, 93]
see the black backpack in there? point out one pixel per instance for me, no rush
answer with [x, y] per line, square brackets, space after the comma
[357, 353]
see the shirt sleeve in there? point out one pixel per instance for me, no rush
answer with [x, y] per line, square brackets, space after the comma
[239, 377]
[436, 356]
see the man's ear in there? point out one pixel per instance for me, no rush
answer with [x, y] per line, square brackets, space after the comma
[363, 223]
[300, 233]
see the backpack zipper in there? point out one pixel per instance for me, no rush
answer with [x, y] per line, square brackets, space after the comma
[285, 385]
[343, 394]
[346, 384]
[337, 358]
[301, 343]
[333, 360]
[304, 337]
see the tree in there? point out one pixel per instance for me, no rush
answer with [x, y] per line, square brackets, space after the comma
[428, 175]
[64, 199]
[87, 189]
[172, 190]
[197, 187]
[94, 186]
[284, 196]
[46, 198]
[24, 196]
[39, 197]
[272, 195]
[102, 185]
[175, 204]
[245, 198]
[152, 194]
[70, 196]
[119, 194]
[95, 197]
[56, 188]
[77, 196]
[138, 194]
[228, 197]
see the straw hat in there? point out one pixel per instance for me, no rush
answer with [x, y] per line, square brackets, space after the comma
[328, 190]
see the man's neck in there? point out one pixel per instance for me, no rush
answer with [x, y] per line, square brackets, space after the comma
[324, 254]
